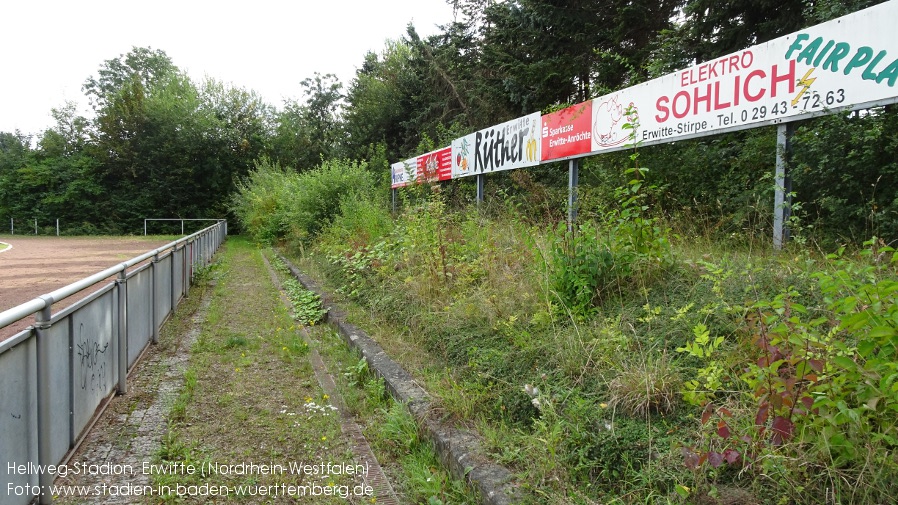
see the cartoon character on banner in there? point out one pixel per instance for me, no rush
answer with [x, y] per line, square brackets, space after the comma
[607, 128]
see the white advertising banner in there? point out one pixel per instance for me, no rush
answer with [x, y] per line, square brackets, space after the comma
[849, 63]
[404, 172]
[513, 144]
[846, 63]
[463, 156]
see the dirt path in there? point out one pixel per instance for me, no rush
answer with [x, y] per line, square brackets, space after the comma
[230, 385]
[130, 430]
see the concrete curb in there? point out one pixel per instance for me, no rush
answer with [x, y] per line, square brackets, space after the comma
[459, 449]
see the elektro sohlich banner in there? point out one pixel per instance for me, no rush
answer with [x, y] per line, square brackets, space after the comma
[513, 144]
[404, 172]
[435, 165]
[846, 63]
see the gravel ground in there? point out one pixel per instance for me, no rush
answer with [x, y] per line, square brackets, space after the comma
[36, 265]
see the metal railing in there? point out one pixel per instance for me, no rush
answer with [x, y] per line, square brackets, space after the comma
[58, 372]
[182, 220]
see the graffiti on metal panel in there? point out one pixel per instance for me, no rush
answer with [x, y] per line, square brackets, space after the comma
[93, 370]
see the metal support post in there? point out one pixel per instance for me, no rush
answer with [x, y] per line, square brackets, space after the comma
[44, 424]
[393, 195]
[480, 180]
[782, 200]
[121, 285]
[57, 227]
[573, 180]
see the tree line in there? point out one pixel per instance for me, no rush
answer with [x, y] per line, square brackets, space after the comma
[159, 144]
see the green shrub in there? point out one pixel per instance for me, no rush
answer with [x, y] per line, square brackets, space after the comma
[595, 261]
[274, 203]
[259, 201]
[315, 199]
[821, 382]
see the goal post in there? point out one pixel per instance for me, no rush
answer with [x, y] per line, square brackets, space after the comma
[182, 220]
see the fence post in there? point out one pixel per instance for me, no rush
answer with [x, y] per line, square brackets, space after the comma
[122, 287]
[44, 426]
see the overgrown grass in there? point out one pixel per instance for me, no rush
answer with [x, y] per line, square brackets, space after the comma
[408, 459]
[410, 462]
[678, 371]
[250, 396]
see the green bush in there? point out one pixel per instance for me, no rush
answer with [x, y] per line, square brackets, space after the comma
[259, 200]
[595, 261]
[274, 203]
[820, 377]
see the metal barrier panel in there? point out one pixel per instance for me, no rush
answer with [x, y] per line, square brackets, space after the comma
[18, 414]
[163, 289]
[178, 269]
[57, 391]
[93, 356]
[78, 361]
[140, 312]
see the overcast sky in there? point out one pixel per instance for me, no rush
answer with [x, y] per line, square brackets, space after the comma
[51, 47]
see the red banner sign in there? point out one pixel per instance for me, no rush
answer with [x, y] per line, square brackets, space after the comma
[567, 132]
[435, 165]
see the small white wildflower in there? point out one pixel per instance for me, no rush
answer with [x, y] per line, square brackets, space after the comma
[535, 402]
[533, 391]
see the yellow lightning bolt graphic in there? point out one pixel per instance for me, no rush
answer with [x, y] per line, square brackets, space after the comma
[805, 81]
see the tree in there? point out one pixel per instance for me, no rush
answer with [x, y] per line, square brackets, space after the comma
[15, 153]
[713, 28]
[378, 104]
[141, 66]
[310, 132]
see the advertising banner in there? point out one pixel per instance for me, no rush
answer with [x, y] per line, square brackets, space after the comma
[567, 132]
[404, 172]
[846, 63]
[463, 156]
[435, 165]
[849, 63]
[509, 145]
